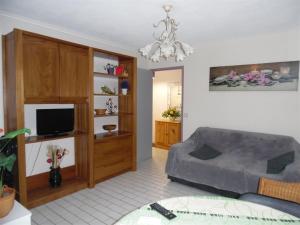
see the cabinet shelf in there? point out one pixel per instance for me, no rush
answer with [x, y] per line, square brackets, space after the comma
[114, 114]
[41, 138]
[106, 75]
[39, 196]
[107, 95]
[107, 115]
[125, 113]
[113, 135]
[104, 95]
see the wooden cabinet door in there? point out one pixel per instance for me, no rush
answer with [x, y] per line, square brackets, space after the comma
[173, 133]
[74, 73]
[41, 70]
[160, 133]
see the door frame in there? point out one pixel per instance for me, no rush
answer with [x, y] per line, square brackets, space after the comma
[182, 91]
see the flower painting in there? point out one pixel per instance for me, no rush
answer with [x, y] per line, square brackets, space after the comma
[280, 76]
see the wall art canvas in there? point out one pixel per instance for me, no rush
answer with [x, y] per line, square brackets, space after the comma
[279, 76]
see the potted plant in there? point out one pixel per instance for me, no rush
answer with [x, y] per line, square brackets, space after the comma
[124, 87]
[172, 113]
[7, 194]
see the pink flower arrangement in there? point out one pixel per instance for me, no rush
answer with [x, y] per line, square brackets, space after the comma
[56, 155]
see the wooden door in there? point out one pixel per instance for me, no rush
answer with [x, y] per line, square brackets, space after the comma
[74, 73]
[160, 134]
[173, 133]
[41, 70]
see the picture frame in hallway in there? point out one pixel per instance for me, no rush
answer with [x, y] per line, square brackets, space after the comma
[277, 76]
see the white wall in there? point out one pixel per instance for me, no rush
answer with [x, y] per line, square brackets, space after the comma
[270, 112]
[160, 98]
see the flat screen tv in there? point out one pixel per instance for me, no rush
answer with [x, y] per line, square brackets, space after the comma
[54, 121]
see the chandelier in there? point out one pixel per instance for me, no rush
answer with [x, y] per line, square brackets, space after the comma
[166, 45]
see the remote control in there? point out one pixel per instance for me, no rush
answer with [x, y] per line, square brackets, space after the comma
[163, 211]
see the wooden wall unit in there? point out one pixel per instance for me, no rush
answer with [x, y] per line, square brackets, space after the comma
[116, 153]
[40, 70]
[167, 133]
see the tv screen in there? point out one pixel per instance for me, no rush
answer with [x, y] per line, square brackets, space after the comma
[54, 121]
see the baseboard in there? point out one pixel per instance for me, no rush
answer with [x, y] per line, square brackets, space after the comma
[160, 146]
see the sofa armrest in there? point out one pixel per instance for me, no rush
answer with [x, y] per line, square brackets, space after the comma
[174, 154]
[279, 204]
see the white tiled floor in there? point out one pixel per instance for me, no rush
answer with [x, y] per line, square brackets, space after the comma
[112, 199]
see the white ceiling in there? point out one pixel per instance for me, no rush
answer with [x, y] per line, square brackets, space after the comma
[129, 22]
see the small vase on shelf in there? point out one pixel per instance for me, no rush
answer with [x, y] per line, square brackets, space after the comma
[124, 87]
[124, 91]
[55, 177]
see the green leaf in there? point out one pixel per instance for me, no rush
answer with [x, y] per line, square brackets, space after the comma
[13, 134]
[7, 162]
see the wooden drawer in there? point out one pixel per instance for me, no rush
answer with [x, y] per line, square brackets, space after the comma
[112, 146]
[103, 172]
[112, 157]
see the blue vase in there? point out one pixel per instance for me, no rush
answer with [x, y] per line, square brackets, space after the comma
[111, 70]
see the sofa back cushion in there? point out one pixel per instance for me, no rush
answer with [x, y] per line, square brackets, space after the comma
[258, 146]
[205, 152]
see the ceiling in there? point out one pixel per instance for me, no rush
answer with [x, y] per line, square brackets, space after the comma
[129, 22]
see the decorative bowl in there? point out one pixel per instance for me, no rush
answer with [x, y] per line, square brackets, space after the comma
[100, 111]
[109, 127]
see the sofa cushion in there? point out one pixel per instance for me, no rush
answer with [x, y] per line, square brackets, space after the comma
[278, 163]
[205, 152]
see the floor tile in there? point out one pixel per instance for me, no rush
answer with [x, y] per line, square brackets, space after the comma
[112, 199]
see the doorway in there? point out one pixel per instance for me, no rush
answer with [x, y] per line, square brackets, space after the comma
[167, 100]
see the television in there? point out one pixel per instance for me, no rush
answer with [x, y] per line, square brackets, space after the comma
[54, 121]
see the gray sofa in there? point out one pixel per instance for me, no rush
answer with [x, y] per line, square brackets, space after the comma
[242, 162]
